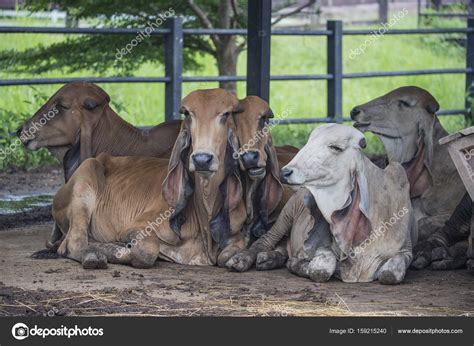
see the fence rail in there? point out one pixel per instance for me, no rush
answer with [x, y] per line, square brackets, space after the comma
[174, 33]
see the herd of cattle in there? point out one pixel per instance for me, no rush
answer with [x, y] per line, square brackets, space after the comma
[208, 189]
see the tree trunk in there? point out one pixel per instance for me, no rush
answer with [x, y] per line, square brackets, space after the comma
[227, 55]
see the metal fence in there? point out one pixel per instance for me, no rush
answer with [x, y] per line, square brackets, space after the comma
[258, 54]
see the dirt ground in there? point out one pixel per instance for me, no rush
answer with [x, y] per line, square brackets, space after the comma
[62, 287]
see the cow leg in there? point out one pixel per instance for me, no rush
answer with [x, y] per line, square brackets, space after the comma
[322, 266]
[235, 244]
[393, 271]
[52, 245]
[450, 258]
[268, 260]
[242, 261]
[298, 266]
[141, 249]
[73, 206]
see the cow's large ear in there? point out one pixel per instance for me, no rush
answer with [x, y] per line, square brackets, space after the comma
[273, 186]
[234, 182]
[351, 225]
[72, 158]
[232, 191]
[177, 186]
[268, 194]
[91, 116]
[417, 170]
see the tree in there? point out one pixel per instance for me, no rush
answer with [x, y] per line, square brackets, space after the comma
[99, 52]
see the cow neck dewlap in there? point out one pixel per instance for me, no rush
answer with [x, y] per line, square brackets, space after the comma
[333, 197]
[397, 149]
[207, 191]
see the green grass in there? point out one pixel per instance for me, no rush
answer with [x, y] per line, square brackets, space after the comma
[143, 104]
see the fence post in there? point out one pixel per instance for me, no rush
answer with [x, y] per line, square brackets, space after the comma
[258, 52]
[334, 67]
[173, 67]
[469, 75]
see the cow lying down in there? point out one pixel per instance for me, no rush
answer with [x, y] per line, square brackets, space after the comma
[406, 122]
[348, 218]
[188, 210]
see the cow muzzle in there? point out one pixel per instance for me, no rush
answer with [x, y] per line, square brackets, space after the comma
[27, 138]
[203, 162]
[250, 161]
[291, 176]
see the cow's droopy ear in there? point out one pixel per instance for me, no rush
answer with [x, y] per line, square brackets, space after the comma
[177, 186]
[351, 225]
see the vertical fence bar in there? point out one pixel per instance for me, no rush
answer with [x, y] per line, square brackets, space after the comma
[173, 68]
[469, 76]
[258, 52]
[334, 67]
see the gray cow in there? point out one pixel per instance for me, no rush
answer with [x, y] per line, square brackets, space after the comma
[348, 218]
[405, 121]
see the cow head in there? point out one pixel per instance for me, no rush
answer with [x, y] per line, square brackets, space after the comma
[74, 107]
[331, 166]
[404, 119]
[204, 149]
[258, 161]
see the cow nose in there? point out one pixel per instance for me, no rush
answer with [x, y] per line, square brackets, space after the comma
[250, 159]
[286, 173]
[354, 112]
[18, 132]
[202, 161]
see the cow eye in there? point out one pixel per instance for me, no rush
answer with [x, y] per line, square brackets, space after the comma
[335, 148]
[226, 114]
[60, 106]
[186, 113]
[403, 103]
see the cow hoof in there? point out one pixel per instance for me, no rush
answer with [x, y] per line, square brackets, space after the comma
[242, 261]
[94, 260]
[420, 262]
[320, 275]
[439, 253]
[269, 260]
[387, 277]
[45, 254]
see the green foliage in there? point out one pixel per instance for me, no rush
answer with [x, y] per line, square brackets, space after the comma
[12, 152]
[97, 53]
[143, 104]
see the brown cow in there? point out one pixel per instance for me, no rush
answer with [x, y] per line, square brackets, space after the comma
[264, 194]
[82, 125]
[130, 210]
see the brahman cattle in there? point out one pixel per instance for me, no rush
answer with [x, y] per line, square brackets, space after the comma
[188, 210]
[349, 218]
[264, 194]
[85, 125]
[405, 121]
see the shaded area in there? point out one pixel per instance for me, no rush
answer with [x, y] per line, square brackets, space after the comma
[62, 287]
